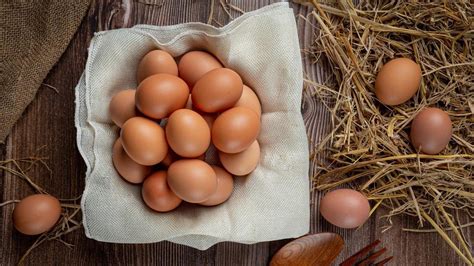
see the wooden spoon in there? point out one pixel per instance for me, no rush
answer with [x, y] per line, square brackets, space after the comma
[316, 249]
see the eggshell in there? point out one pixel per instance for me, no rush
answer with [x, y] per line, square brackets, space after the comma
[225, 186]
[157, 195]
[156, 62]
[36, 214]
[250, 100]
[397, 81]
[188, 133]
[144, 141]
[217, 90]
[193, 65]
[122, 107]
[160, 95]
[431, 130]
[189, 103]
[169, 158]
[242, 163]
[345, 208]
[192, 180]
[209, 118]
[127, 168]
[235, 130]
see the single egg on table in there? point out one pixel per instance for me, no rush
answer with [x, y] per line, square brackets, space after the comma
[192, 180]
[36, 214]
[217, 90]
[397, 81]
[156, 62]
[160, 95]
[144, 141]
[157, 194]
[188, 134]
[250, 100]
[242, 163]
[431, 130]
[345, 208]
[225, 186]
[127, 168]
[195, 64]
[122, 107]
[235, 130]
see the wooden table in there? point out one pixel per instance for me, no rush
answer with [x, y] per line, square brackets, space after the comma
[48, 124]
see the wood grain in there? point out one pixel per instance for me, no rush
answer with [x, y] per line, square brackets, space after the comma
[48, 126]
[316, 249]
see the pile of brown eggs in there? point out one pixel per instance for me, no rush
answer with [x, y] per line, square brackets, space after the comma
[168, 124]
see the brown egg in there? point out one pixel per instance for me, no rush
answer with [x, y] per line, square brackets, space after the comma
[210, 118]
[144, 141]
[169, 158]
[188, 133]
[160, 95]
[157, 194]
[235, 130]
[122, 107]
[156, 62]
[242, 163]
[193, 65]
[431, 130]
[345, 208]
[192, 180]
[36, 214]
[397, 81]
[250, 100]
[225, 186]
[127, 168]
[217, 91]
[189, 103]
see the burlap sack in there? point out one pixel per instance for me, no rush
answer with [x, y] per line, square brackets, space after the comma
[271, 203]
[34, 34]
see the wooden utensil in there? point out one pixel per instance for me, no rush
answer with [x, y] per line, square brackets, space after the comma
[356, 259]
[316, 249]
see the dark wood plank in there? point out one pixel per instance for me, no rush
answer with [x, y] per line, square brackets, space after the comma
[49, 121]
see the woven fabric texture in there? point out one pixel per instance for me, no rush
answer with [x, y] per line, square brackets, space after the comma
[34, 34]
[271, 203]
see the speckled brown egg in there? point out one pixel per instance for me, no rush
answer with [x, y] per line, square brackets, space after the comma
[397, 81]
[192, 180]
[160, 95]
[431, 130]
[217, 90]
[156, 62]
[250, 100]
[235, 130]
[127, 168]
[188, 133]
[122, 107]
[195, 64]
[242, 163]
[225, 186]
[157, 194]
[345, 208]
[144, 141]
[36, 214]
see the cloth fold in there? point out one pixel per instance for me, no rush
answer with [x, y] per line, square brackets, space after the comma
[34, 34]
[271, 203]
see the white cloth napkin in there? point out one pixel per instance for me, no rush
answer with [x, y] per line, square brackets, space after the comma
[271, 203]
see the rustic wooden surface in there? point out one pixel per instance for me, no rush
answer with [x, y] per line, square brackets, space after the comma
[49, 123]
